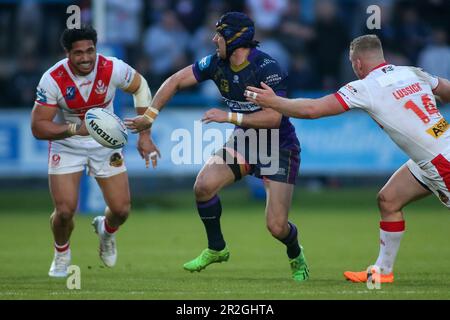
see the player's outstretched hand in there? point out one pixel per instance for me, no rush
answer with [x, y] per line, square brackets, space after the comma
[215, 115]
[264, 96]
[148, 150]
[137, 124]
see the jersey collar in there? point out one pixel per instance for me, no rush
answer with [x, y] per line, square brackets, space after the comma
[379, 66]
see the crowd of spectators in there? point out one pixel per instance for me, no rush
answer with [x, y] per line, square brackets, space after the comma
[309, 38]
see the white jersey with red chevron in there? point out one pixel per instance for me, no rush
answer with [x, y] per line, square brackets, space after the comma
[73, 95]
[400, 99]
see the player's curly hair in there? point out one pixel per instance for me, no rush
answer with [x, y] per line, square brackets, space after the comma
[69, 36]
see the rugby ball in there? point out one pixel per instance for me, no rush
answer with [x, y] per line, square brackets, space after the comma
[106, 128]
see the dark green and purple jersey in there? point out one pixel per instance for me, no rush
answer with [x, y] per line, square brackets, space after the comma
[232, 82]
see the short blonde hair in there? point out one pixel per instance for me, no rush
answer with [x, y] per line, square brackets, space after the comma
[366, 43]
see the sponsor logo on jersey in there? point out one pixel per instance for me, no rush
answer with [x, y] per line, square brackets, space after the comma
[351, 89]
[128, 75]
[266, 62]
[100, 88]
[41, 95]
[438, 129]
[204, 63]
[116, 160]
[387, 69]
[241, 106]
[406, 91]
[70, 93]
[86, 83]
[273, 79]
[224, 86]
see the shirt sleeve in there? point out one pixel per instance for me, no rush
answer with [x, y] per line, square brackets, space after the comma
[123, 74]
[204, 68]
[354, 95]
[433, 81]
[272, 75]
[46, 92]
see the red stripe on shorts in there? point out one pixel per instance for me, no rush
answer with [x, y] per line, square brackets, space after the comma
[443, 167]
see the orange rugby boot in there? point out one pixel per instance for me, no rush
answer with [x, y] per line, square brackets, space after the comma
[362, 276]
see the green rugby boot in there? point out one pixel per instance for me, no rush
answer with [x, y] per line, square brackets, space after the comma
[299, 267]
[207, 257]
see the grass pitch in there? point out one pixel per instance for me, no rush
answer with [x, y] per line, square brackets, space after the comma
[338, 229]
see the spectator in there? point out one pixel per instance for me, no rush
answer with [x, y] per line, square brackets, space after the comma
[123, 24]
[22, 91]
[293, 34]
[411, 33]
[191, 13]
[166, 44]
[301, 75]
[266, 13]
[29, 25]
[273, 47]
[201, 43]
[329, 44]
[435, 57]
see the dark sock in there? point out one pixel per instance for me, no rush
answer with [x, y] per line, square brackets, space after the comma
[210, 212]
[291, 242]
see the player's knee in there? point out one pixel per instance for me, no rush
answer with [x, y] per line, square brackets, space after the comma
[387, 203]
[202, 189]
[121, 211]
[65, 212]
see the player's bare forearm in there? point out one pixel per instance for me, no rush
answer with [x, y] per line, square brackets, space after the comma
[48, 130]
[310, 108]
[182, 79]
[298, 108]
[264, 119]
[43, 127]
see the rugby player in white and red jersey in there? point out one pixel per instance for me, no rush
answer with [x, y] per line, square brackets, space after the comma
[402, 101]
[82, 81]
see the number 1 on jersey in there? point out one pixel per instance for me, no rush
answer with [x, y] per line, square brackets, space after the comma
[429, 107]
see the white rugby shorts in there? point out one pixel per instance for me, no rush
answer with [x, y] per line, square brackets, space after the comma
[76, 154]
[434, 174]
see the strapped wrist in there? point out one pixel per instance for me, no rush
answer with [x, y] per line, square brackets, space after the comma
[72, 129]
[235, 118]
[151, 114]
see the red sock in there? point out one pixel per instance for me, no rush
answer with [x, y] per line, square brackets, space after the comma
[62, 248]
[109, 229]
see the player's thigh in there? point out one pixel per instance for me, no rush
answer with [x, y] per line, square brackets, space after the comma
[64, 190]
[213, 176]
[104, 162]
[401, 189]
[116, 192]
[279, 199]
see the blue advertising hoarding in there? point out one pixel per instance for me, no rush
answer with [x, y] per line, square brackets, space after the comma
[348, 144]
